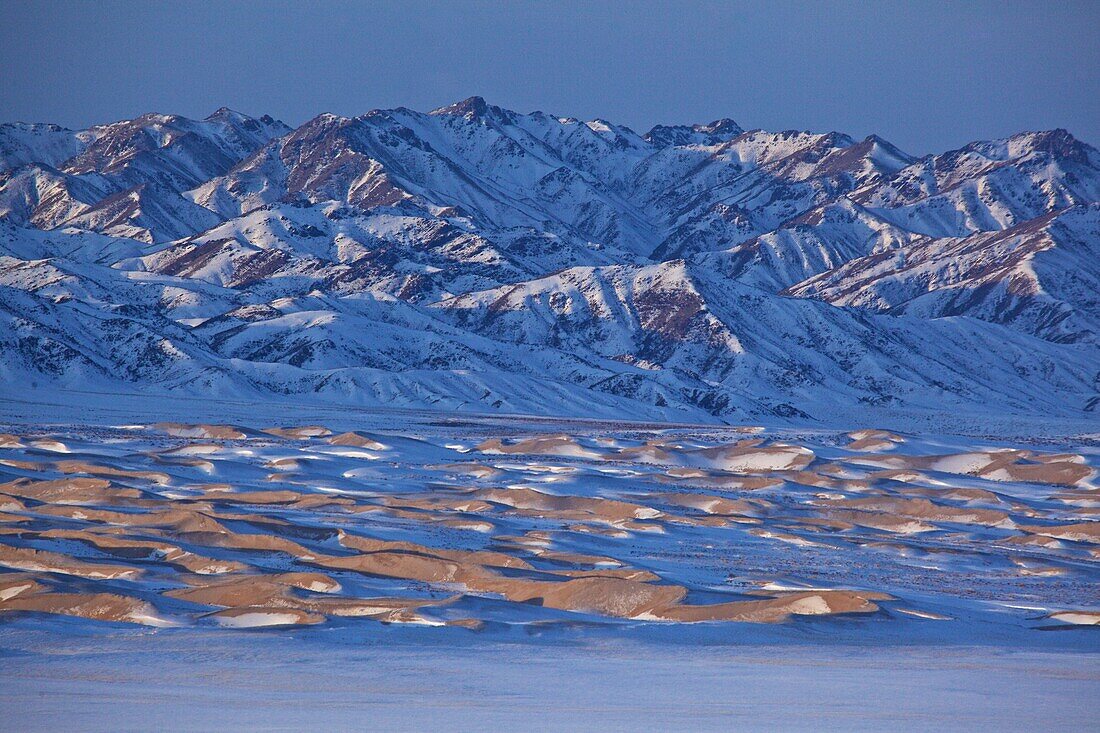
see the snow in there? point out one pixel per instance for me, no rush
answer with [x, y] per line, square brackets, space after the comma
[136, 683]
[257, 619]
[531, 263]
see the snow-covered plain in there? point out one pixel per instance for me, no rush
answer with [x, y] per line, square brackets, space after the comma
[124, 682]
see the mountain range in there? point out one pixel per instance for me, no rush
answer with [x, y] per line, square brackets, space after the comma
[477, 259]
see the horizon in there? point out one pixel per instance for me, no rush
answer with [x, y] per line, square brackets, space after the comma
[641, 133]
[925, 77]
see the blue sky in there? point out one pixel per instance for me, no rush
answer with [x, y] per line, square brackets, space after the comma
[928, 76]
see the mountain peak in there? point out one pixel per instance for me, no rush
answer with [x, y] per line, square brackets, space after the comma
[712, 133]
[471, 106]
[1059, 143]
[724, 126]
[225, 113]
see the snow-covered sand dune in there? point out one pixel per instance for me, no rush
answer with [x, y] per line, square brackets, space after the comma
[761, 558]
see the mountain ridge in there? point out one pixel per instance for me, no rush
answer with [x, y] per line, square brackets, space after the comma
[476, 258]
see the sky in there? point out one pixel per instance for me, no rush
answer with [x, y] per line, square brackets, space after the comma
[927, 76]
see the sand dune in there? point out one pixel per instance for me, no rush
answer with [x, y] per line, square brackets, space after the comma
[553, 445]
[7, 440]
[1002, 465]
[779, 609]
[873, 441]
[21, 558]
[572, 507]
[1078, 531]
[92, 469]
[98, 606]
[356, 440]
[300, 525]
[304, 432]
[210, 432]
[925, 510]
[70, 491]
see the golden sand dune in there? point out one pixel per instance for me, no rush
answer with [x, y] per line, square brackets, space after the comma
[14, 584]
[406, 565]
[438, 503]
[657, 452]
[34, 466]
[623, 593]
[873, 441]
[473, 624]
[304, 432]
[980, 496]
[752, 456]
[642, 576]
[287, 464]
[317, 501]
[1083, 498]
[210, 432]
[192, 449]
[7, 440]
[551, 445]
[253, 552]
[254, 497]
[22, 558]
[479, 557]
[605, 596]
[259, 542]
[177, 520]
[1077, 532]
[98, 606]
[774, 610]
[147, 549]
[1033, 540]
[477, 470]
[357, 440]
[709, 504]
[252, 590]
[182, 461]
[70, 491]
[114, 545]
[1065, 473]
[570, 507]
[11, 504]
[924, 510]
[1001, 465]
[903, 475]
[601, 594]
[93, 469]
[468, 525]
[878, 520]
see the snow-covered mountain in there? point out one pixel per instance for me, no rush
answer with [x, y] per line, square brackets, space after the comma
[480, 259]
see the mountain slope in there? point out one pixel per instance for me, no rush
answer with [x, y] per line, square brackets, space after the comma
[481, 259]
